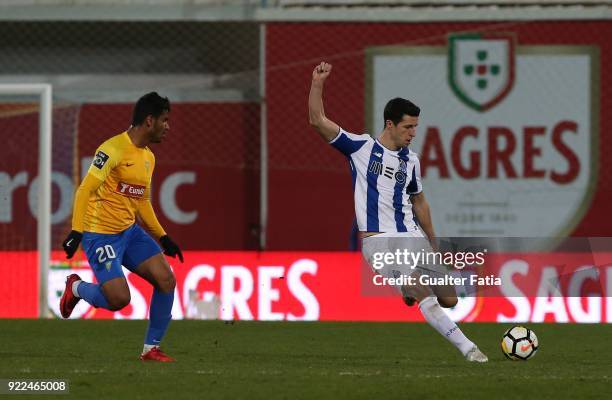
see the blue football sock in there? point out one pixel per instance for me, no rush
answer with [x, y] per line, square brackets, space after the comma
[160, 315]
[92, 293]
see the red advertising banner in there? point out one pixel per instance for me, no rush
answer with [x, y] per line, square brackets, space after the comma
[336, 286]
[19, 284]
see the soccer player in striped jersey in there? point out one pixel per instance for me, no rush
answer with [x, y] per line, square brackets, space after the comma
[117, 189]
[388, 196]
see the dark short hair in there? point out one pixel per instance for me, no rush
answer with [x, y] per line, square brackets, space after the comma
[149, 104]
[396, 109]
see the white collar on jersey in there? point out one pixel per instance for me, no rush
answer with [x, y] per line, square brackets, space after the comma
[394, 152]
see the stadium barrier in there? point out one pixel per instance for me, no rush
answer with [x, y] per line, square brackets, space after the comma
[337, 286]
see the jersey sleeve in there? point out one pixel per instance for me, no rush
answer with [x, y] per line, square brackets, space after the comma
[149, 219]
[347, 143]
[415, 186]
[106, 158]
[89, 185]
[145, 209]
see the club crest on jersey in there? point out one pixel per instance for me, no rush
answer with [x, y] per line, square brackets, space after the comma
[403, 167]
[100, 159]
[130, 190]
[400, 175]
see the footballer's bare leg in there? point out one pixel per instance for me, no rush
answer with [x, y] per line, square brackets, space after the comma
[112, 295]
[158, 273]
[117, 293]
[437, 318]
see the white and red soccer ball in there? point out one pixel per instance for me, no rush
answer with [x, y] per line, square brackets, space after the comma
[519, 343]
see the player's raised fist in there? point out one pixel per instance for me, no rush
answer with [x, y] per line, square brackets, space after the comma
[321, 72]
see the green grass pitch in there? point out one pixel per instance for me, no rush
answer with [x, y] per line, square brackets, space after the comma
[294, 360]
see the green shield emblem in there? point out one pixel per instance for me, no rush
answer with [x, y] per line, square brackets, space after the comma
[481, 68]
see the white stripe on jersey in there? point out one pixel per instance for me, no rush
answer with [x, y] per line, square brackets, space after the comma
[383, 181]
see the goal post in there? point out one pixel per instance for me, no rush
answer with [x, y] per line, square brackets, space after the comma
[43, 230]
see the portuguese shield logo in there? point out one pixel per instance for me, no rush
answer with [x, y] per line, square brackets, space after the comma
[481, 68]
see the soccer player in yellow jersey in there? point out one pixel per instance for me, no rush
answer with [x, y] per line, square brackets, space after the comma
[117, 189]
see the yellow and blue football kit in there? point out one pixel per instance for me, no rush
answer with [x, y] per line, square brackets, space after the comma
[114, 192]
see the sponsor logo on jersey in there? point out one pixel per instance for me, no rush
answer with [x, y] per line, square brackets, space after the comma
[400, 177]
[130, 190]
[376, 167]
[100, 159]
[388, 172]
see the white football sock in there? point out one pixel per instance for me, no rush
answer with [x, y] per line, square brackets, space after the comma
[437, 318]
[147, 347]
[75, 285]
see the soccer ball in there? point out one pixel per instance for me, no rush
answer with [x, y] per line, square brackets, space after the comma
[519, 343]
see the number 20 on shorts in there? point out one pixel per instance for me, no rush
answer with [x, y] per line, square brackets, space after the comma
[105, 252]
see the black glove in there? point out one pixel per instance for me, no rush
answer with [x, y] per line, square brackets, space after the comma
[71, 244]
[170, 248]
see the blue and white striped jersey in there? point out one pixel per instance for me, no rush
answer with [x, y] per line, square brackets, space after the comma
[383, 181]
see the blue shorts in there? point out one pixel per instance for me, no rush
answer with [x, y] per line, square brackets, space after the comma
[106, 253]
